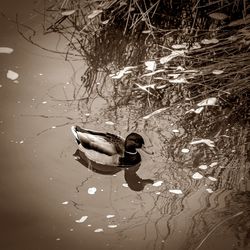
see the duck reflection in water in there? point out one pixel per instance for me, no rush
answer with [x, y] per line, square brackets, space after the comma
[134, 182]
[106, 153]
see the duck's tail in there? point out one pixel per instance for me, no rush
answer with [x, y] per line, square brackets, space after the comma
[74, 131]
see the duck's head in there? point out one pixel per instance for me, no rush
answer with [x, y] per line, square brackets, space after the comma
[132, 142]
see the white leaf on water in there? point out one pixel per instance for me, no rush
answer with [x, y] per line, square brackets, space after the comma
[12, 75]
[154, 113]
[175, 130]
[213, 164]
[185, 150]
[218, 16]
[6, 50]
[109, 123]
[208, 102]
[217, 71]
[150, 65]
[1, 85]
[210, 41]
[205, 141]
[175, 191]
[68, 12]
[209, 190]
[65, 203]
[180, 68]
[53, 127]
[21, 142]
[180, 46]
[178, 80]
[157, 183]
[203, 167]
[158, 193]
[94, 13]
[173, 54]
[110, 216]
[92, 190]
[98, 230]
[125, 184]
[122, 72]
[112, 226]
[82, 219]
[197, 176]
[198, 110]
[212, 178]
[174, 75]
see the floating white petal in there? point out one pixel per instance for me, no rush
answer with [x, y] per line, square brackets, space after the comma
[82, 219]
[212, 178]
[175, 191]
[112, 226]
[174, 54]
[6, 50]
[209, 190]
[68, 12]
[213, 164]
[185, 150]
[210, 41]
[217, 71]
[65, 203]
[197, 176]
[125, 184]
[175, 130]
[109, 123]
[98, 230]
[208, 102]
[158, 184]
[203, 167]
[205, 141]
[12, 75]
[92, 190]
[110, 216]
[150, 65]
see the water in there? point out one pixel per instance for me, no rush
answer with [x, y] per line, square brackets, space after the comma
[50, 200]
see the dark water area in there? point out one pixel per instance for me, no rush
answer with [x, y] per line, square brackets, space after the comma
[184, 196]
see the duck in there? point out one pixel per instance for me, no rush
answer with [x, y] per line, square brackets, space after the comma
[108, 149]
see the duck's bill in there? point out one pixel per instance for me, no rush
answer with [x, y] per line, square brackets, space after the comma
[144, 149]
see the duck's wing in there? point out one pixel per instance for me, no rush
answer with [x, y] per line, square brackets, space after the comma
[105, 143]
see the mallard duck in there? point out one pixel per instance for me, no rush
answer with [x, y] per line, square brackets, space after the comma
[108, 149]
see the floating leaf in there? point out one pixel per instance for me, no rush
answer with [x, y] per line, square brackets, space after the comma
[218, 16]
[112, 226]
[125, 184]
[175, 191]
[213, 164]
[209, 190]
[208, 102]
[174, 54]
[92, 190]
[65, 203]
[68, 12]
[154, 113]
[110, 216]
[180, 46]
[210, 41]
[205, 141]
[203, 167]
[94, 13]
[198, 110]
[82, 219]
[109, 123]
[217, 71]
[212, 178]
[157, 183]
[197, 176]
[12, 75]
[98, 230]
[185, 150]
[6, 50]
[176, 130]
[150, 65]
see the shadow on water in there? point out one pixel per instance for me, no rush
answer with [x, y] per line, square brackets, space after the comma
[134, 182]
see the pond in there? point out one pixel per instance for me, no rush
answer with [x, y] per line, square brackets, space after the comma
[182, 196]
